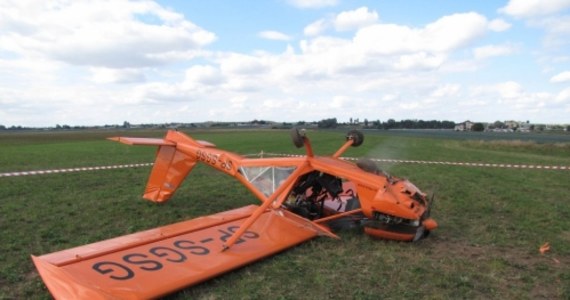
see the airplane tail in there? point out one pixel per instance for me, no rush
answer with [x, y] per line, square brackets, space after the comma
[171, 165]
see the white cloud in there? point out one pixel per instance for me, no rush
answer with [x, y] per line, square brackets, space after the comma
[557, 30]
[316, 27]
[454, 31]
[312, 3]
[492, 51]
[473, 103]
[380, 71]
[499, 25]
[340, 101]
[106, 75]
[354, 19]
[375, 49]
[274, 35]
[203, 74]
[419, 61]
[114, 34]
[233, 64]
[510, 100]
[238, 102]
[446, 34]
[447, 90]
[563, 96]
[509, 90]
[555, 25]
[409, 105]
[343, 21]
[534, 8]
[561, 77]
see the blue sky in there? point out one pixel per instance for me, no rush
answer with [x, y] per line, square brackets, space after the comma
[105, 62]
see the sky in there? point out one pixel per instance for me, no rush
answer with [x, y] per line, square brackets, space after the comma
[106, 62]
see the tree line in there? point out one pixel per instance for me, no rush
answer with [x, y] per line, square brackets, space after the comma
[389, 124]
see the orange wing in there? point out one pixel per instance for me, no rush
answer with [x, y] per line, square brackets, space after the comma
[156, 262]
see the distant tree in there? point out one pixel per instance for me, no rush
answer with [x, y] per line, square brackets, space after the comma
[448, 125]
[478, 127]
[499, 124]
[567, 128]
[126, 124]
[366, 123]
[376, 124]
[300, 123]
[531, 127]
[407, 124]
[2, 127]
[327, 123]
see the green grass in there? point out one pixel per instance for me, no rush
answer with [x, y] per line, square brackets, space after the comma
[492, 221]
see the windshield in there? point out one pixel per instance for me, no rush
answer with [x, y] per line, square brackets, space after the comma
[267, 179]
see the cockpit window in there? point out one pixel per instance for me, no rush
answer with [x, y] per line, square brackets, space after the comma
[267, 179]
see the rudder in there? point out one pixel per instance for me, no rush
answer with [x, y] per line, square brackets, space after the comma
[170, 168]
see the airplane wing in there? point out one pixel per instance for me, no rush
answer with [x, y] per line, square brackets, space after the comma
[156, 262]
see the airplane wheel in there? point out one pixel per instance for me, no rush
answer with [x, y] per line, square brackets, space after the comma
[356, 136]
[297, 138]
[368, 166]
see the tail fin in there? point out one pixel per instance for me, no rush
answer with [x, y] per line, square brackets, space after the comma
[171, 165]
[170, 168]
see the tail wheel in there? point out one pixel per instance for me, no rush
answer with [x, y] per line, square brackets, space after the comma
[356, 136]
[297, 138]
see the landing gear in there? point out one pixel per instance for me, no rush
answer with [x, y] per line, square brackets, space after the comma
[297, 137]
[356, 136]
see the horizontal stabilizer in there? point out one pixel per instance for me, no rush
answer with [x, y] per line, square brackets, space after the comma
[142, 141]
[159, 261]
[171, 139]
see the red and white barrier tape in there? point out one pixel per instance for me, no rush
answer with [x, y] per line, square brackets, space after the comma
[468, 164]
[56, 171]
[451, 163]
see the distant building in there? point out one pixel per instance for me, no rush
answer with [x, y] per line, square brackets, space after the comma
[512, 125]
[465, 126]
[524, 127]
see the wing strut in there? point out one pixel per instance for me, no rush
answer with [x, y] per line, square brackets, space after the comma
[266, 203]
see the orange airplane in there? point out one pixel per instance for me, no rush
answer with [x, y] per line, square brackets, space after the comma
[301, 198]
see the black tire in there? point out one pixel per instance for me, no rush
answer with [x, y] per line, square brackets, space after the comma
[297, 138]
[356, 136]
[368, 166]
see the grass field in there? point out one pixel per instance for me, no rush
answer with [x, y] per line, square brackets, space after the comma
[492, 221]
